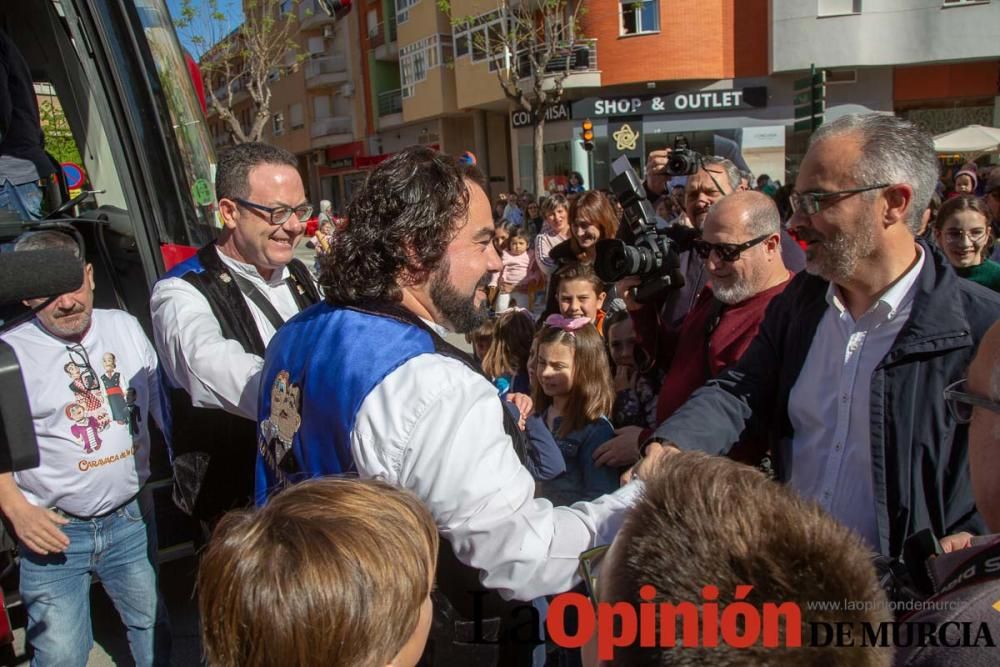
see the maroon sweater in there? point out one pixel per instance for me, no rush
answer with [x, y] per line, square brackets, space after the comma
[685, 350]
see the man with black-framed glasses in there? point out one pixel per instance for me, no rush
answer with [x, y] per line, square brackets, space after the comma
[846, 374]
[214, 314]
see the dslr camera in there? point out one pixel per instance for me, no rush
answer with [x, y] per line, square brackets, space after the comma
[641, 249]
[683, 161]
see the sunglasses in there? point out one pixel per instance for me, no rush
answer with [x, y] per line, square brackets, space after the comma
[727, 252]
[78, 356]
[588, 563]
[961, 403]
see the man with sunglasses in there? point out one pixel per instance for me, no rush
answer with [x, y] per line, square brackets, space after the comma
[741, 250]
[84, 511]
[214, 314]
[846, 372]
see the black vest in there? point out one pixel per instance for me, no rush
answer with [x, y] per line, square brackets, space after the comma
[215, 452]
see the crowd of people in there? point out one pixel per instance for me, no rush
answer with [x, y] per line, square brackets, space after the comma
[795, 414]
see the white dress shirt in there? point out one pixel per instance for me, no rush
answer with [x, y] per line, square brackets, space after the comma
[435, 427]
[830, 401]
[215, 371]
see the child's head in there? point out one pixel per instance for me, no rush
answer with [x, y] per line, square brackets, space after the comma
[555, 210]
[620, 335]
[326, 228]
[966, 180]
[580, 292]
[517, 242]
[330, 572]
[572, 363]
[481, 338]
[501, 233]
[511, 346]
[962, 230]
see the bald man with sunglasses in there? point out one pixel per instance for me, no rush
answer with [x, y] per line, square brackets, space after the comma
[213, 316]
[740, 247]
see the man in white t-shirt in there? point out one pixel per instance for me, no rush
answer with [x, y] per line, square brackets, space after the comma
[92, 383]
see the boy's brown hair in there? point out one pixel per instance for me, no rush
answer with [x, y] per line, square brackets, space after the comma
[709, 520]
[592, 395]
[330, 572]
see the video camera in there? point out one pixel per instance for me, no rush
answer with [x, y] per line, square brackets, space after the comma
[642, 248]
[26, 275]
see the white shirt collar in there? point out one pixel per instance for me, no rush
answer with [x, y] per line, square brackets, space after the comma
[437, 328]
[250, 271]
[894, 298]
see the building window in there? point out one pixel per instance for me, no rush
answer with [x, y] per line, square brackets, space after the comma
[838, 7]
[278, 124]
[403, 9]
[640, 16]
[481, 37]
[415, 59]
[295, 116]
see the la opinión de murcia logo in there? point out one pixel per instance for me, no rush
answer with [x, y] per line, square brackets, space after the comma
[738, 624]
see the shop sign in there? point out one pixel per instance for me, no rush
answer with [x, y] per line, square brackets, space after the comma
[522, 118]
[687, 102]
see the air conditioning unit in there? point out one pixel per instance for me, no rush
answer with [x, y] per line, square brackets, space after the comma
[329, 31]
[347, 90]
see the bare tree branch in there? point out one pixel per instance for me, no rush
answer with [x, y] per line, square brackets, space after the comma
[241, 60]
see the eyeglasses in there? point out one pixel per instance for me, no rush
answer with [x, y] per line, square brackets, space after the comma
[78, 356]
[809, 202]
[588, 561]
[956, 235]
[727, 252]
[960, 402]
[279, 215]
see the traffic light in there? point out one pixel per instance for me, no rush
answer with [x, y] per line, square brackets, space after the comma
[588, 135]
[810, 101]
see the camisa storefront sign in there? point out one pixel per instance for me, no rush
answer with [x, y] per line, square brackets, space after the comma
[522, 118]
[687, 102]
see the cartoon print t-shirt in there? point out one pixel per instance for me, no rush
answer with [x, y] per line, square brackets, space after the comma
[89, 401]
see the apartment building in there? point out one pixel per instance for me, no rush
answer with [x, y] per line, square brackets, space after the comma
[719, 73]
[936, 62]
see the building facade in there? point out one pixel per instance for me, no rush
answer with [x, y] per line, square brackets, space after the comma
[718, 74]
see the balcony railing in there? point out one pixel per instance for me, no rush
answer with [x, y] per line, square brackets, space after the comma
[579, 57]
[323, 127]
[312, 16]
[383, 33]
[326, 70]
[390, 102]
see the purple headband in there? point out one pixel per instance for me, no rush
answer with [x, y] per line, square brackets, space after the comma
[566, 324]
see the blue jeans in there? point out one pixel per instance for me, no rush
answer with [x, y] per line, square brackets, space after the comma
[121, 550]
[25, 200]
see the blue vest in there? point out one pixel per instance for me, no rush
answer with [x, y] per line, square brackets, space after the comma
[318, 370]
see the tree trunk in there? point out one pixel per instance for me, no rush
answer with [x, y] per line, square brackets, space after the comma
[539, 143]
